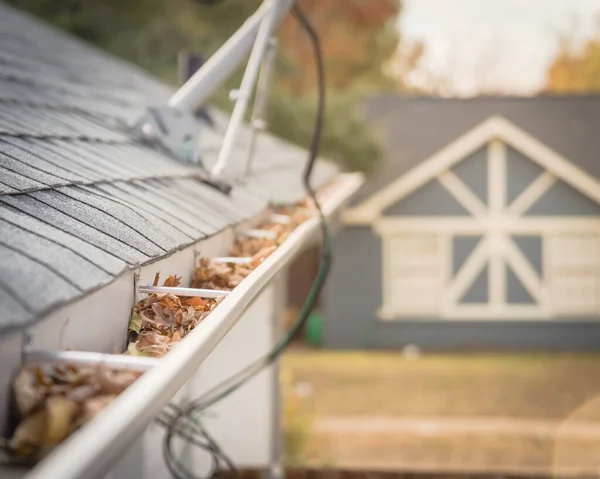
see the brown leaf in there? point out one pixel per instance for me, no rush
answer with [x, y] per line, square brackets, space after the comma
[187, 315]
[82, 393]
[172, 281]
[29, 434]
[29, 394]
[177, 335]
[146, 321]
[114, 382]
[156, 276]
[91, 407]
[193, 301]
[160, 317]
[153, 344]
[261, 255]
[60, 412]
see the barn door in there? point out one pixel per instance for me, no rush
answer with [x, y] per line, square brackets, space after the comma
[412, 275]
[573, 262]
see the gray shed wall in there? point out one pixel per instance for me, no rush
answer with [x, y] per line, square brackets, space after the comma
[354, 290]
[353, 295]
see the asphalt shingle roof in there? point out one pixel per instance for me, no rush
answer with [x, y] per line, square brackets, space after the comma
[81, 201]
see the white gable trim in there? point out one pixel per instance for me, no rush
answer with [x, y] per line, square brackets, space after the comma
[494, 128]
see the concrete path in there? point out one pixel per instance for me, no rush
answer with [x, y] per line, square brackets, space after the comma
[443, 444]
[452, 426]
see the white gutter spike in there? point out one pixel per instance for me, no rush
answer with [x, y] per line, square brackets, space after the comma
[260, 234]
[91, 451]
[281, 219]
[267, 25]
[191, 292]
[232, 259]
[86, 358]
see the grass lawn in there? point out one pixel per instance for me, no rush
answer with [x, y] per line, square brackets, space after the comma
[386, 384]
[523, 388]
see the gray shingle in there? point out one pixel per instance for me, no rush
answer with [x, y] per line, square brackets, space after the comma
[31, 283]
[105, 222]
[64, 263]
[14, 314]
[105, 261]
[125, 214]
[43, 150]
[28, 171]
[5, 189]
[59, 174]
[171, 191]
[161, 202]
[18, 181]
[55, 218]
[198, 196]
[159, 218]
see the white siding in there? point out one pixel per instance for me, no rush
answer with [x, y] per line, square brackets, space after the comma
[574, 262]
[412, 274]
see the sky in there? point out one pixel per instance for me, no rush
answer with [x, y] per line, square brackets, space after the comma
[503, 45]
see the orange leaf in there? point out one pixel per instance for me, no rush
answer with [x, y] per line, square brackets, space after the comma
[194, 302]
[172, 281]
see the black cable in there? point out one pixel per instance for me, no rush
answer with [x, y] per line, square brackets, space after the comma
[194, 433]
[179, 419]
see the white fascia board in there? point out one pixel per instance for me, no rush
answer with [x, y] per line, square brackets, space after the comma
[91, 451]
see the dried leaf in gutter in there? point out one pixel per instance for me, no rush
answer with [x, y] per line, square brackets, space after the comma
[132, 350]
[59, 416]
[153, 344]
[172, 281]
[160, 321]
[80, 394]
[47, 426]
[29, 434]
[59, 404]
[135, 324]
[210, 275]
[194, 301]
[261, 255]
[114, 382]
[166, 319]
[92, 407]
[27, 391]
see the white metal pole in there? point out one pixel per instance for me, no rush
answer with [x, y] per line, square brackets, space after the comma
[267, 26]
[222, 64]
[257, 122]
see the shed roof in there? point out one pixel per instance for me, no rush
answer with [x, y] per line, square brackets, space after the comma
[414, 128]
[80, 200]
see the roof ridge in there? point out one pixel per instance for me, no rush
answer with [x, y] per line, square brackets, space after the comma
[196, 175]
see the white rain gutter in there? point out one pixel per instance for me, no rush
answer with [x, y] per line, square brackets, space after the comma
[92, 451]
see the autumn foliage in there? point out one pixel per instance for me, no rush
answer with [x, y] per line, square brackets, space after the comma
[575, 70]
[359, 39]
